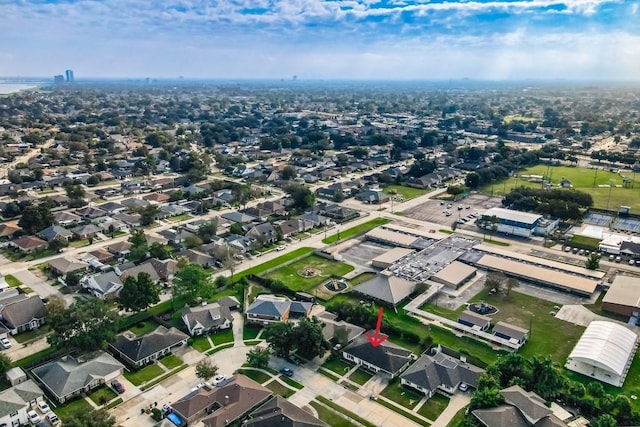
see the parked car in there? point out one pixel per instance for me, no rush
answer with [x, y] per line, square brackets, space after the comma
[33, 416]
[5, 343]
[53, 418]
[218, 379]
[119, 388]
[286, 371]
[463, 387]
[44, 408]
[280, 248]
[166, 408]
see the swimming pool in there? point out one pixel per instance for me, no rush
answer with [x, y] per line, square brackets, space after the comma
[175, 419]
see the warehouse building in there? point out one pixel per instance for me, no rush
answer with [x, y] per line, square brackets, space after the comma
[516, 223]
[623, 296]
[454, 275]
[386, 259]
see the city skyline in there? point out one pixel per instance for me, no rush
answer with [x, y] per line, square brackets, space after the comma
[315, 39]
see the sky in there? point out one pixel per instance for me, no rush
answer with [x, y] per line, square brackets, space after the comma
[322, 39]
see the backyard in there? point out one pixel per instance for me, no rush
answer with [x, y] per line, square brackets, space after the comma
[581, 178]
[143, 328]
[323, 269]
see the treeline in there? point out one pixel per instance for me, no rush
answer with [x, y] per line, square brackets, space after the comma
[504, 162]
[563, 204]
[611, 156]
[540, 376]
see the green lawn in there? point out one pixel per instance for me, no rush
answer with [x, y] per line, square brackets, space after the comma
[220, 348]
[291, 275]
[102, 395]
[530, 313]
[582, 179]
[344, 411]
[458, 418]
[171, 361]
[361, 278]
[143, 328]
[355, 231]
[360, 376]
[402, 412]
[278, 388]
[79, 405]
[268, 265]
[401, 395]
[339, 366]
[32, 334]
[222, 337]
[79, 243]
[293, 383]
[200, 343]
[407, 193]
[250, 332]
[331, 417]
[143, 375]
[12, 281]
[179, 218]
[329, 375]
[433, 407]
[584, 241]
[257, 376]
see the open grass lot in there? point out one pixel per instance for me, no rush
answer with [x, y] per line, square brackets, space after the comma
[257, 376]
[179, 218]
[78, 405]
[344, 411]
[222, 337]
[339, 366]
[355, 231]
[79, 243]
[361, 278]
[433, 407]
[142, 328]
[458, 418]
[143, 375]
[582, 179]
[360, 376]
[404, 191]
[102, 395]
[290, 274]
[200, 343]
[171, 361]
[588, 242]
[279, 389]
[401, 395]
[331, 417]
[530, 313]
[261, 268]
[12, 281]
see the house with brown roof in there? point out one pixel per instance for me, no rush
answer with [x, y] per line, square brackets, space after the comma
[8, 229]
[29, 244]
[157, 198]
[279, 412]
[63, 265]
[220, 406]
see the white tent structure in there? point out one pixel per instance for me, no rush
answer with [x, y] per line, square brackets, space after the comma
[604, 352]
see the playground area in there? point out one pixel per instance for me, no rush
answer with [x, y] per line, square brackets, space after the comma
[309, 272]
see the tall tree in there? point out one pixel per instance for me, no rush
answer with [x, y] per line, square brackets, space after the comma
[208, 230]
[158, 250]
[547, 381]
[302, 196]
[35, 218]
[87, 324]
[280, 337]
[148, 214]
[139, 293]
[190, 282]
[309, 339]
[205, 369]
[258, 358]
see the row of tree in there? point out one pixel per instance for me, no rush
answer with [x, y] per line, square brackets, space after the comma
[559, 203]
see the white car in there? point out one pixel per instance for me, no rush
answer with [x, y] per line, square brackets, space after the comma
[33, 416]
[5, 343]
[280, 248]
[53, 419]
[218, 379]
[44, 408]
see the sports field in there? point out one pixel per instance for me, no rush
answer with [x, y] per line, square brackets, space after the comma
[582, 179]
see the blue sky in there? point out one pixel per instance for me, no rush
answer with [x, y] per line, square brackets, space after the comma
[322, 39]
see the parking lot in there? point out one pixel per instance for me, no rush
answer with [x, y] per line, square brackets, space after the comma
[360, 255]
[445, 212]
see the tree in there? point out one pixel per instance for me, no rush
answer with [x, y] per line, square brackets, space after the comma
[494, 281]
[205, 369]
[191, 241]
[236, 228]
[258, 358]
[279, 336]
[605, 420]
[309, 339]
[5, 363]
[35, 218]
[593, 262]
[547, 380]
[89, 418]
[54, 308]
[158, 250]
[510, 284]
[148, 214]
[472, 180]
[139, 293]
[303, 198]
[138, 254]
[288, 173]
[208, 230]
[137, 237]
[56, 245]
[190, 282]
[88, 324]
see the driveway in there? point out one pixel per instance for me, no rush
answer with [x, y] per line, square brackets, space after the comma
[38, 285]
[457, 402]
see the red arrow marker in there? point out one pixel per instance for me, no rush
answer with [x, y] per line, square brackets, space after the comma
[377, 339]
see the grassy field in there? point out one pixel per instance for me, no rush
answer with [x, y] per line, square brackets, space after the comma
[586, 242]
[293, 383]
[201, 343]
[290, 274]
[582, 179]
[78, 405]
[355, 231]
[33, 334]
[530, 313]
[433, 407]
[12, 281]
[143, 375]
[361, 278]
[331, 417]
[401, 395]
[179, 218]
[250, 332]
[257, 376]
[458, 418]
[261, 268]
[407, 193]
[339, 366]
[344, 411]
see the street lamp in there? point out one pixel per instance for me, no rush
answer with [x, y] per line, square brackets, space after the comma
[611, 184]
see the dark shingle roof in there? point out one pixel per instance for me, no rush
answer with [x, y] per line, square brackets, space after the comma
[22, 312]
[430, 372]
[139, 348]
[386, 356]
[269, 307]
[279, 412]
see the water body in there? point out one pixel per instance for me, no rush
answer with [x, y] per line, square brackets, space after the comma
[6, 88]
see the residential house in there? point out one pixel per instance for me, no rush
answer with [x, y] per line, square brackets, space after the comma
[103, 285]
[120, 249]
[197, 257]
[238, 217]
[130, 220]
[111, 225]
[9, 229]
[157, 198]
[339, 213]
[16, 401]
[134, 204]
[267, 309]
[264, 233]
[374, 196]
[331, 326]
[521, 409]
[101, 255]
[440, 372]
[207, 318]
[139, 351]
[289, 228]
[29, 244]
[386, 357]
[91, 213]
[316, 219]
[279, 412]
[113, 208]
[135, 270]
[242, 244]
[70, 377]
[66, 218]
[63, 265]
[165, 268]
[175, 236]
[19, 313]
[55, 232]
[87, 231]
[274, 207]
[222, 405]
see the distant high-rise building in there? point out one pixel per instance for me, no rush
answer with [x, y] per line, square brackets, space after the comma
[69, 74]
[59, 79]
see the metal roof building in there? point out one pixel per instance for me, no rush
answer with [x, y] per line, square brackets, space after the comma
[386, 259]
[455, 274]
[604, 352]
[623, 296]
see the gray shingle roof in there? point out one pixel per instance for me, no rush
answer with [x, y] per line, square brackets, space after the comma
[21, 312]
[18, 396]
[279, 412]
[387, 356]
[430, 372]
[68, 374]
[209, 316]
[139, 348]
[55, 232]
[386, 288]
[269, 307]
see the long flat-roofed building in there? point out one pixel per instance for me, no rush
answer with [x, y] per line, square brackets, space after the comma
[388, 258]
[623, 296]
[523, 224]
[391, 237]
[455, 274]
